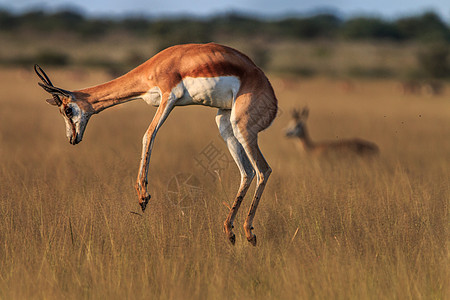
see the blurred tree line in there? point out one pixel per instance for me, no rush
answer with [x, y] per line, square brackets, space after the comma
[425, 27]
[427, 30]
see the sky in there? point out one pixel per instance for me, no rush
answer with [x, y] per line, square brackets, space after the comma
[262, 8]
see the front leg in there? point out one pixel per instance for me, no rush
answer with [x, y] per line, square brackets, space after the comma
[142, 182]
[161, 115]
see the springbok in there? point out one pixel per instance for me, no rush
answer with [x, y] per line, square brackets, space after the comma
[297, 128]
[192, 74]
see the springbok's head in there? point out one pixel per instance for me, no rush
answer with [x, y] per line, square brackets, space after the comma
[74, 112]
[296, 127]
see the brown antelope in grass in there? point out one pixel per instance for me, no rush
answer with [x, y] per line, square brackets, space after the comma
[298, 128]
[193, 74]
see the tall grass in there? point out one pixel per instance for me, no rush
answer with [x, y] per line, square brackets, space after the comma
[326, 229]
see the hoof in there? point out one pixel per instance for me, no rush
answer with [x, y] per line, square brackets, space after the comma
[231, 236]
[252, 240]
[144, 202]
[143, 206]
[232, 239]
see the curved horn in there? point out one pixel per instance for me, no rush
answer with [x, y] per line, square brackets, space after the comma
[48, 85]
[54, 90]
[42, 76]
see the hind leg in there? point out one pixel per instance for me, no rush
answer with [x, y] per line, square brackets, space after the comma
[263, 172]
[245, 167]
[249, 116]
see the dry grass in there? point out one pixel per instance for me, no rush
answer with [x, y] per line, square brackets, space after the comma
[326, 229]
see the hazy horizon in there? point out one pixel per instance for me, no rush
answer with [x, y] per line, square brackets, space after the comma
[264, 8]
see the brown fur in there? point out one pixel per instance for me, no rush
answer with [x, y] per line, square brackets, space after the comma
[167, 68]
[346, 147]
[254, 109]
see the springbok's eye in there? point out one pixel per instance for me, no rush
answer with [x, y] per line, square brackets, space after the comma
[68, 111]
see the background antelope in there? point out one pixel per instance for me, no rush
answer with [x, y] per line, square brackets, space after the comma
[297, 128]
[194, 74]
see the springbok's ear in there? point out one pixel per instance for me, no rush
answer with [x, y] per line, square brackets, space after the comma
[54, 90]
[52, 101]
[305, 112]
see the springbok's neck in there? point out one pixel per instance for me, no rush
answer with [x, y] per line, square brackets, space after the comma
[307, 143]
[123, 89]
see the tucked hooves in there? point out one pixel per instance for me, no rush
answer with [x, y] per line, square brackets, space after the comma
[144, 202]
[252, 240]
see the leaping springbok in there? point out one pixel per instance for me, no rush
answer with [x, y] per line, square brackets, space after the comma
[193, 74]
[297, 128]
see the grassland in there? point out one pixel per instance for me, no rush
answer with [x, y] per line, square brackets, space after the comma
[334, 229]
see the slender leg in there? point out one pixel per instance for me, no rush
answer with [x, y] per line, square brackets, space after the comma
[161, 115]
[243, 163]
[251, 114]
[262, 175]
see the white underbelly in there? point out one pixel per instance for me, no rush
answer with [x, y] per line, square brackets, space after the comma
[217, 92]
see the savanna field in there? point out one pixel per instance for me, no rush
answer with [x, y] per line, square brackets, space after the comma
[71, 226]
